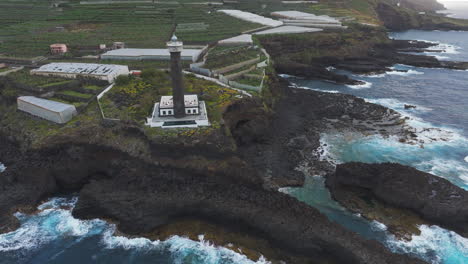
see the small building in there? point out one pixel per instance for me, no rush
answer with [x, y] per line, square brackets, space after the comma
[150, 54]
[2, 65]
[105, 72]
[102, 46]
[192, 106]
[58, 49]
[50, 110]
[163, 113]
[118, 45]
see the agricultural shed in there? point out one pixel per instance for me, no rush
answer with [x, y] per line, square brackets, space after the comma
[106, 72]
[149, 54]
[50, 110]
[244, 39]
[251, 17]
[287, 30]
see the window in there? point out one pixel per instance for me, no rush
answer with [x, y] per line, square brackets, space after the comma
[164, 113]
[169, 112]
[189, 111]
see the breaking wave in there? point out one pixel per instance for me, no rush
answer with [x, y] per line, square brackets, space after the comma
[365, 85]
[434, 244]
[53, 233]
[2, 167]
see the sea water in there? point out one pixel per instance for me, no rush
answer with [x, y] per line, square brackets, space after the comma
[440, 97]
[441, 100]
[54, 236]
[455, 9]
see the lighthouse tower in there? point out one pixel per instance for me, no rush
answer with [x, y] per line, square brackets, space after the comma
[175, 48]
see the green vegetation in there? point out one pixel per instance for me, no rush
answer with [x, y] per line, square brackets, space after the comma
[75, 94]
[27, 29]
[221, 57]
[249, 80]
[133, 98]
[24, 77]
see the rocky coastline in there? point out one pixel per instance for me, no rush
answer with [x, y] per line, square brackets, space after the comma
[141, 196]
[435, 200]
[353, 51]
[143, 187]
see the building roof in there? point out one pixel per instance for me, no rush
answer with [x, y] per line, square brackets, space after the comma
[150, 52]
[81, 68]
[251, 17]
[46, 104]
[304, 16]
[287, 30]
[58, 45]
[244, 38]
[191, 100]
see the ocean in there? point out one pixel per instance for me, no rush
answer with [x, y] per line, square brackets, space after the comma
[455, 9]
[441, 118]
[441, 100]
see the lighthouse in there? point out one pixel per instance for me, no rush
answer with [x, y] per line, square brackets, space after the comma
[175, 48]
[180, 109]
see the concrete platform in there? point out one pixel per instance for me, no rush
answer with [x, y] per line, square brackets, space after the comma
[171, 122]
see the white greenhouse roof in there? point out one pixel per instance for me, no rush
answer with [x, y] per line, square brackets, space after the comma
[287, 30]
[150, 52]
[244, 38]
[304, 16]
[191, 100]
[247, 16]
[46, 104]
[81, 68]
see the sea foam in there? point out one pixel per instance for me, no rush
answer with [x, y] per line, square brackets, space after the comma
[2, 167]
[54, 222]
[434, 244]
[365, 85]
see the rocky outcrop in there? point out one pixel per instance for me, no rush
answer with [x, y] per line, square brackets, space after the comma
[144, 199]
[398, 19]
[316, 56]
[288, 141]
[432, 198]
[140, 197]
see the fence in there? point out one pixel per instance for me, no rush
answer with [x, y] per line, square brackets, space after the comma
[235, 84]
[99, 103]
[236, 66]
[198, 68]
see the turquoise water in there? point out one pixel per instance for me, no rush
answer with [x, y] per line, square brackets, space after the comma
[441, 97]
[54, 236]
[441, 119]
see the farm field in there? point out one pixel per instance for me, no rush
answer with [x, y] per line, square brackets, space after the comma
[27, 29]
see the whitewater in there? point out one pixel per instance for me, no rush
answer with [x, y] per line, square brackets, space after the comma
[440, 120]
[53, 235]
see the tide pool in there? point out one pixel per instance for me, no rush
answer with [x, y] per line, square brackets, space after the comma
[441, 122]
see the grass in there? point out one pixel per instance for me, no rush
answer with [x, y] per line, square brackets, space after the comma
[25, 77]
[93, 87]
[29, 28]
[135, 99]
[218, 58]
[55, 83]
[75, 94]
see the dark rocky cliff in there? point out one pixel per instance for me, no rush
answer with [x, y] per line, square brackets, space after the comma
[433, 198]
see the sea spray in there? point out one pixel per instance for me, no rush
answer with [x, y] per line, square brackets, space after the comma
[364, 85]
[2, 167]
[53, 235]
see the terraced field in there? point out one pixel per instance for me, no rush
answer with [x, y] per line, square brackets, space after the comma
[27, 29]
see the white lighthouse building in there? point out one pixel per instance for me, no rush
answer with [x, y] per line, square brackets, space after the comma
[180, 109]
